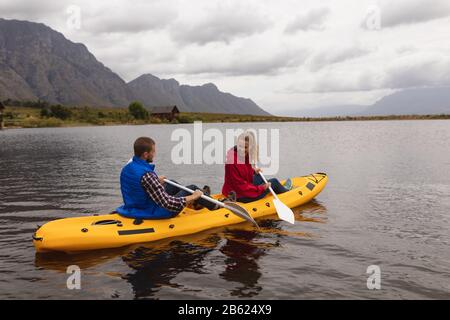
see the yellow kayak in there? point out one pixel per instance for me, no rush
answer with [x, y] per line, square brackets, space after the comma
[113, 231]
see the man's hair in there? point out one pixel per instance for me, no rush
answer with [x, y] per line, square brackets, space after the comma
[143, 144]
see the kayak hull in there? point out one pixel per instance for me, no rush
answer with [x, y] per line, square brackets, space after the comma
[113, 231]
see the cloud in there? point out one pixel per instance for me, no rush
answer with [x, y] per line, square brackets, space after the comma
[406, 49]
[139, 17]
[413, 11]
[30, 10]
[406, 12]
[414, 71]
[335, 83]
[335, 55]
[243, 63]
[115, 17]
[418, 71]
[312, 20]
[221, 24]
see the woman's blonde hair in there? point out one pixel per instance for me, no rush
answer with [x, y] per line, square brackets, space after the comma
[252, 145]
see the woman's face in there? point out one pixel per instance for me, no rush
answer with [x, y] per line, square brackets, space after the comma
[243, 146]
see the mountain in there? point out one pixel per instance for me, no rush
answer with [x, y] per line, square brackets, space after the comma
[332, 111]
[206, 98]
[37, 62]
[152, 91]
[209, 97]
[417, 101]
[413, 101]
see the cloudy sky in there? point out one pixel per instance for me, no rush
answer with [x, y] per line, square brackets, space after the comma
[286, 55]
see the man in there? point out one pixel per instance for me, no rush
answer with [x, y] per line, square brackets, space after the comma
[143, 192]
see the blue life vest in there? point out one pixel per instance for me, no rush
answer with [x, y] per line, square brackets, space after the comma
[137, 203]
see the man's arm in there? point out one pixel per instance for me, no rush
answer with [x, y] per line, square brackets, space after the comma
[156, 192]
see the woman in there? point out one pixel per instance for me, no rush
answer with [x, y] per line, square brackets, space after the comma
[242, 177]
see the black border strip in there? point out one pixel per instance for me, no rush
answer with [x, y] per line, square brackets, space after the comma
[137, 231]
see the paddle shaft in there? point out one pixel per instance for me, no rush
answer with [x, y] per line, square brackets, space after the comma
[270, 188]
[237, 210]
[192, 191]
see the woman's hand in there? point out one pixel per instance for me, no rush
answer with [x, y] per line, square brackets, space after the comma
[258, 170]
[267, 185]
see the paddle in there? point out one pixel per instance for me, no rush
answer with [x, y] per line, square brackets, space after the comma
[284, 212]
[233, 207]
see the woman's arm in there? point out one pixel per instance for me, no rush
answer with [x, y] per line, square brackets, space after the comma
[243, 187]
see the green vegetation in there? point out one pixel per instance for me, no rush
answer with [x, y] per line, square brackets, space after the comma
[30, 117]
[41, 114]
[138, 111]
[60, 112]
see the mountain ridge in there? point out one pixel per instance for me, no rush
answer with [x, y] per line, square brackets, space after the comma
[39, 63]
[412, 101]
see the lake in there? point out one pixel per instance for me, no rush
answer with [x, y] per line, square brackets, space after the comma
[387, 203]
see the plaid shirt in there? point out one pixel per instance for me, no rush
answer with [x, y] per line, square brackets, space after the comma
[157, 193]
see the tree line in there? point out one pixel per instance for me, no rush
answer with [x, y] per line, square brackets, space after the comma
[59, 111]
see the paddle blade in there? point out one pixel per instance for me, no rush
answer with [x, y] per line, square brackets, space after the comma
[240, 212]
[284, 212]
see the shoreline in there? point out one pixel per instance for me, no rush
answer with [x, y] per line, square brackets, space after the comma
[29, 117]
[359, 119]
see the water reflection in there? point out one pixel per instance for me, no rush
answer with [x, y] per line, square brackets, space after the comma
[59, 261]
[155, 269]
[242, 254]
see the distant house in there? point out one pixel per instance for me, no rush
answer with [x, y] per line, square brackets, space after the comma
[168, 112]
[2, 107]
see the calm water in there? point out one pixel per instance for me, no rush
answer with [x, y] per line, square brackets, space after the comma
[387, 203]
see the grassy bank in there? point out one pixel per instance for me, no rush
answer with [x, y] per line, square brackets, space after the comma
[28, 117]
[31, 117]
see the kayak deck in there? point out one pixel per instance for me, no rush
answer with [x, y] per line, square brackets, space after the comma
[112, 230]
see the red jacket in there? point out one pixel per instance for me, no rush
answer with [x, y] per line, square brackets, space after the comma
[239, 177]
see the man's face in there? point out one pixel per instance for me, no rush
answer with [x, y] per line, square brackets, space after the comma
[149, 156]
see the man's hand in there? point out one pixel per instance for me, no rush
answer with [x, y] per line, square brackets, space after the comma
[258, 170]
[196, 195]
[267, 186]
[161, 179]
